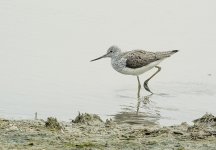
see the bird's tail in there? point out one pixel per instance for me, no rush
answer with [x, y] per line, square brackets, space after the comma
[174, 51]
[161, 55]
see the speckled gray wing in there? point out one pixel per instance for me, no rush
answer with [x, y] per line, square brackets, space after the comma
[140, 58]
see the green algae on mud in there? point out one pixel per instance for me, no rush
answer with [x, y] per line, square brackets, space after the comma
[84, 145]
[87, 118]
[88, 131]
[53, 124]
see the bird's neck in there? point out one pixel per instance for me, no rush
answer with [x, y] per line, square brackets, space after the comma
[116, 56]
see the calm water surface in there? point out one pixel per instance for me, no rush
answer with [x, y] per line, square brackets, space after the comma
[46, 47]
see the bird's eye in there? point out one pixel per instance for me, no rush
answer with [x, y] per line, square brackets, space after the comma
[111, 51]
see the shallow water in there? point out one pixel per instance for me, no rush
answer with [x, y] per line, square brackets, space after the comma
[175, 103]
[46, 48]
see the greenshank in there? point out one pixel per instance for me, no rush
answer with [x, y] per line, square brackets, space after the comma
[136, 62]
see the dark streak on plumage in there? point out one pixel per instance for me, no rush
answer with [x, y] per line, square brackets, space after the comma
[140, 58]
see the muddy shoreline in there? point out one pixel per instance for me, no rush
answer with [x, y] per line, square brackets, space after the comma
[88, 131]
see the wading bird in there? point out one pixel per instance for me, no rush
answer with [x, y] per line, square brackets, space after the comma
[136, 62]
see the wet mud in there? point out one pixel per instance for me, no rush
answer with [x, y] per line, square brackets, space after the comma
[88, 131]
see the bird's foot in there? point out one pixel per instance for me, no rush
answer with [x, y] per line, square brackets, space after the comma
[146, 87]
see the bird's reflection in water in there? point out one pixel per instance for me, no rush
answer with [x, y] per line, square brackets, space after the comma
[131, 114]
[145, 100]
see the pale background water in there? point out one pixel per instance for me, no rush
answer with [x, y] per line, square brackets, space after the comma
[46, 47]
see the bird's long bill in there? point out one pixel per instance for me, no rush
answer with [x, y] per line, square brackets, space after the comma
[99, 57]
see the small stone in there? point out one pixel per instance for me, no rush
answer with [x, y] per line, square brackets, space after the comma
[110, 123]
[177, 132]
[31, 144]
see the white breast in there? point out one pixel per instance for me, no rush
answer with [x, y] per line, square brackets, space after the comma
[138, 71]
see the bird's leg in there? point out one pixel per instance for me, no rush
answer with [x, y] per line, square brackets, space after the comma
[139, 87]
[146, 81]
[138, 106]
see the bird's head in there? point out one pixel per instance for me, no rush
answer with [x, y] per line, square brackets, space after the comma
[111, 52]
